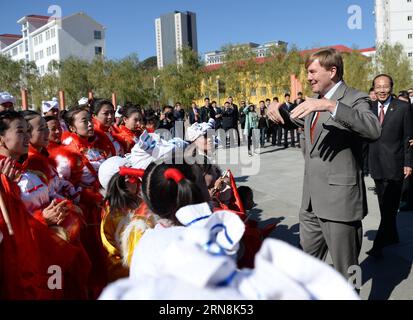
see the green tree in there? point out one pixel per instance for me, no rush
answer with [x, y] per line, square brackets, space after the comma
[181, 82]
[392, 59]
[357, 70]
[239, 71]
[280, 65]
[10, 72]
[73, 79]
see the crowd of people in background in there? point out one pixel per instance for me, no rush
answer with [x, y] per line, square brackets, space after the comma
[96, 191]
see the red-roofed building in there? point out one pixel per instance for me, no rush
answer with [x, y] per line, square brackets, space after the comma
[214, 60]
[261, 90]
[45, 39]
[7, 39]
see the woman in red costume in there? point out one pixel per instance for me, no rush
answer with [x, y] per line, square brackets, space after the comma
[40, 185]
[29, 248]
[103, 120]
[130, 128]
[82, 141]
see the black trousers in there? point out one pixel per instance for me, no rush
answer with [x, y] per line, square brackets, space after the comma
[365, 154]
[250, 139]
[407, 193]
[388, 194]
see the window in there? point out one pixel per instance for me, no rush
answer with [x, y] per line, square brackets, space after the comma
[410, 54]
[97, 35]
[25, 33]
[26, 44]
[41, 69]
[98, 50]
[36, 56]
[40, 38]
[409, 18]
[410, 36]
[52, 33]
[253, 92]
[35, 41]
[49, 51]
[47, 35]
[20, 48]
[41, 54]
[273, 90]
[54, 49]
[263, 91]
[14, 51]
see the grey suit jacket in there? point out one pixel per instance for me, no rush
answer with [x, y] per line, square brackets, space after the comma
[333, 182]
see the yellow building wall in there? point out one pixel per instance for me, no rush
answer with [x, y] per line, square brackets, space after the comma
[253, 95]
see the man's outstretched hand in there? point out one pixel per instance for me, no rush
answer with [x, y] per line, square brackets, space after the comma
[312, 105]
[274, 112]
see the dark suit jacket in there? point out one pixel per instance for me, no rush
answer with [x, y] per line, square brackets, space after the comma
[391, 153]
[204, 114]
[191, 116]
[288, 108]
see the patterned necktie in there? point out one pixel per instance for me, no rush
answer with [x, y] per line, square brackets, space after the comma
[381, 115]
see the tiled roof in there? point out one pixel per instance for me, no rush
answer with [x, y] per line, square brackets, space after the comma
[36, 16]
[8, 35]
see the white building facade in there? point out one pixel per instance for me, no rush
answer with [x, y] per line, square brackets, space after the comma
[45, 39]
[261, 51]
[394, 23]
[173, 32]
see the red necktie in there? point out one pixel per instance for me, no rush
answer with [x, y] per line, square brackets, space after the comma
[317, 114]
[381, 115]
[314, 123]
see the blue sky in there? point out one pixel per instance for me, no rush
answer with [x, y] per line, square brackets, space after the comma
[130, 24]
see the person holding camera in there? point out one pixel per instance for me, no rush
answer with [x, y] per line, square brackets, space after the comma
[167, 120]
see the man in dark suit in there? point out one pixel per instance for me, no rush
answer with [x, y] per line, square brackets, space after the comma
[235, 118]
[390, 159]
[194, 114]
[335, 122]
[204, 112]
[216, 114]
[288, 106]
[179, 115]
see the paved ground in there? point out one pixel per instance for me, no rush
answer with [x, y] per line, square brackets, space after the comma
[277, 191]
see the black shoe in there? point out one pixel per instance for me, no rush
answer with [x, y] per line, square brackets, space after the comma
[375, 253]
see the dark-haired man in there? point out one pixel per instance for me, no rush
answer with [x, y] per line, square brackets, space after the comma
[390, 159]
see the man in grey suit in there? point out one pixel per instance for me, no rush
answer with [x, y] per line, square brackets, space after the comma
[335, 124]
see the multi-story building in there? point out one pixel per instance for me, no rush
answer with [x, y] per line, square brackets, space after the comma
[394, 23]
[261, 51]
[259, 89]
[45, 39]
[173, 32]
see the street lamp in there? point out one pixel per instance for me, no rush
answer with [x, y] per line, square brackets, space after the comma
[154, 88]
[154, 81]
